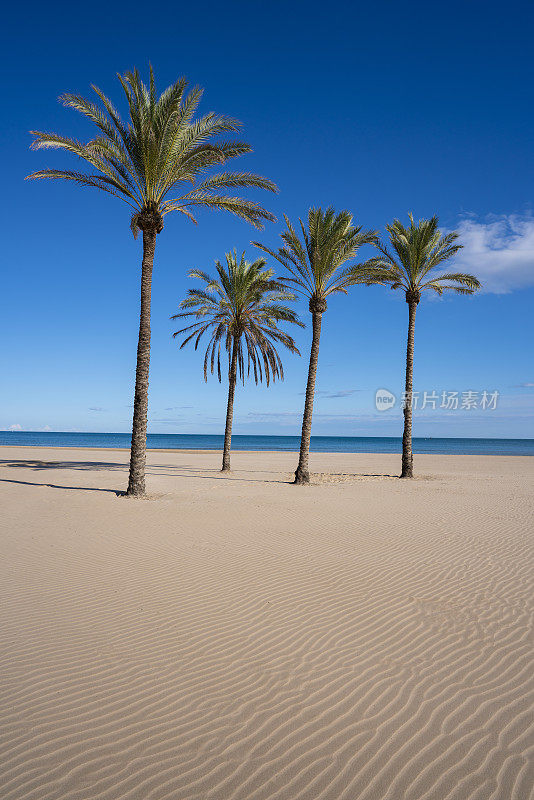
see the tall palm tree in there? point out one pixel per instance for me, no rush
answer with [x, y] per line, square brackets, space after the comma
[416, 252]
[241, 311]
[315, 271]
[146, 162]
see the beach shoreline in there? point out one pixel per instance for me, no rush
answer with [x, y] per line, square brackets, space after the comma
[200, 451]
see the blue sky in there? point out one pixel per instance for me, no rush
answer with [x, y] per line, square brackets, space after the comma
[379, 108]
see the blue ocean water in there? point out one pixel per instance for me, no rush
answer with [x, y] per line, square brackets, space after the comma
[319, 444]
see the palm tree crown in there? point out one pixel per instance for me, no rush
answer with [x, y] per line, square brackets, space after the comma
[162, 147]
[417, 251]
[314, 264]
[242, 308]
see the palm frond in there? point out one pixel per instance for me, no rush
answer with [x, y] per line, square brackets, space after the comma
[465, 280]
[237, 179]
[95, 181]
[245, 209]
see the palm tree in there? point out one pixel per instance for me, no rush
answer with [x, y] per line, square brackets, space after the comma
[145, 162]
[241, 311]
[417, 251]
[315, 271]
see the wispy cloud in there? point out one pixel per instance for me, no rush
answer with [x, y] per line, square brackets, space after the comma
[15, 427]
[334, 395]
[276, 414]
[340, 393]
[176, 408]
[96, 408]
[524, 386]
[499, 251]
[292, 416]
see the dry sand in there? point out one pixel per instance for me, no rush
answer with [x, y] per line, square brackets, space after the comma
[239, 638]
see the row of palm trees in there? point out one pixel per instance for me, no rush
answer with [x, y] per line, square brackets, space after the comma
[161, 161]
[242, 309]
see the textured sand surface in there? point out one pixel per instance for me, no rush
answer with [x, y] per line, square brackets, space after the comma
[239, 638]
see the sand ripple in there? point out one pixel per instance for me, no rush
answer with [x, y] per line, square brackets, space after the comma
[248, 640]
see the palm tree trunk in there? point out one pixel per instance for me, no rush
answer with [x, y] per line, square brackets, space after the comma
[302, 473]
[407, 455]
[136, 483]
[232, 378]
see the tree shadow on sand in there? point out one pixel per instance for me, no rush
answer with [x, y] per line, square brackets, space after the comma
[177, 471]
[84, 465]
[161, 470]
[37, 466]
[116, 492]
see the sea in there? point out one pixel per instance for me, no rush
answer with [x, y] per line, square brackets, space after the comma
[319, 444]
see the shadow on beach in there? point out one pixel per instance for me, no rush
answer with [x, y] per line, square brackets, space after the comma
[116, 492]
[85, 465]
[175, 471]
[161, 470]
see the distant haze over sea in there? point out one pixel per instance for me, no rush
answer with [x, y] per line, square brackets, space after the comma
[319, 444]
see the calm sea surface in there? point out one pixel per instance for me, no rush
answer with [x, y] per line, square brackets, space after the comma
[319, 444]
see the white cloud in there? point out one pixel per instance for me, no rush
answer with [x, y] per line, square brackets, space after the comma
[499, 251]
[15, 427]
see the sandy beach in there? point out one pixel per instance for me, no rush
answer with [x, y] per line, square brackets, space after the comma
[238, 638]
